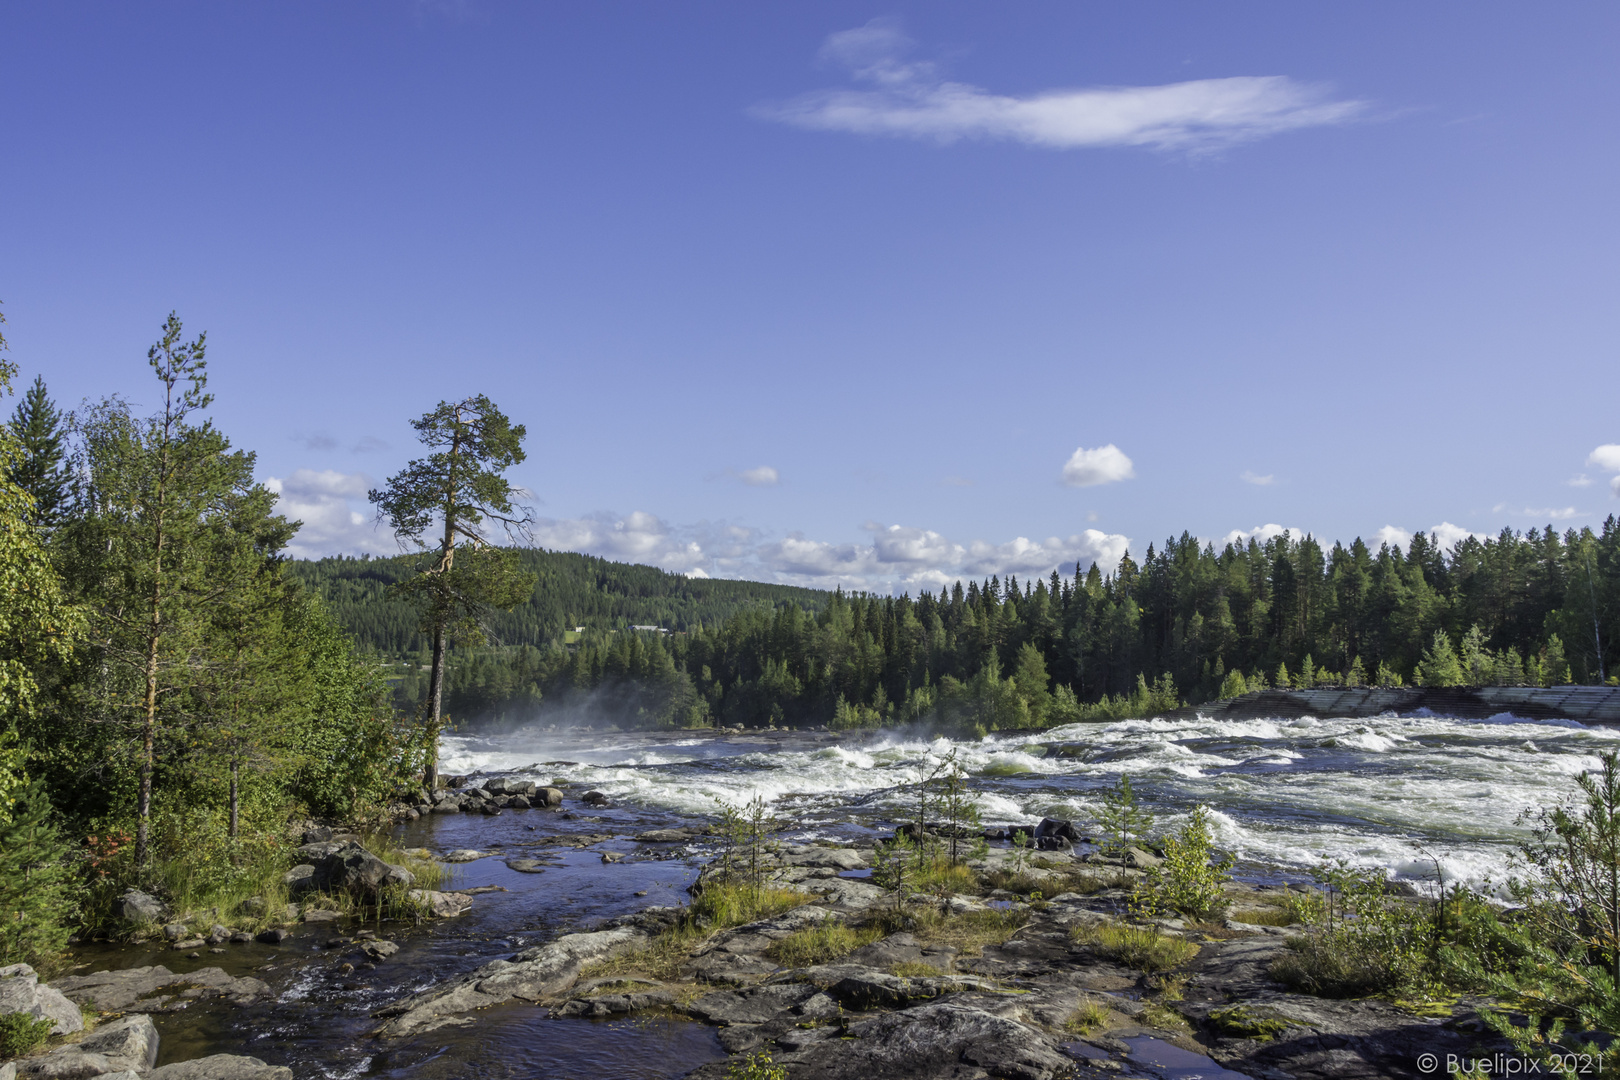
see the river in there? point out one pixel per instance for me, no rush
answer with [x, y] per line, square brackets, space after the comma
[1397, 793]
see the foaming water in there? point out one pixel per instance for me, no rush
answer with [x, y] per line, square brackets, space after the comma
[1402, 793]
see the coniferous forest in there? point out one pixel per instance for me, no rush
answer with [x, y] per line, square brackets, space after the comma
[1185, 624]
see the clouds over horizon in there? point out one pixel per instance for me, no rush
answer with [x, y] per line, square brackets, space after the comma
[320, 499]
[911, 99]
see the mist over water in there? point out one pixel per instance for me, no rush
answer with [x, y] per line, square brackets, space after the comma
[1394, 792]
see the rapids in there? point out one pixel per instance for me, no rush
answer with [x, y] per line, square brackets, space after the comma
[1393, 792]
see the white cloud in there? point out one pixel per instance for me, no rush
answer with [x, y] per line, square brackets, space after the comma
[1104, 465]
[1261, 533]
[1607, 458]
[764, 476]
[637, 537]
[1551, 513]
[1448, 536]
[1260, 481]
[1581, 480]
[1393, 536]
[1023, 556]
[331, 525]
[911, 100]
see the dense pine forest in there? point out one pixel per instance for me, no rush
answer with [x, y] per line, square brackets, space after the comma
[1186, 623]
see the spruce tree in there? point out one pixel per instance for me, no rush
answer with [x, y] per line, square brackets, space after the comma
[41, 468]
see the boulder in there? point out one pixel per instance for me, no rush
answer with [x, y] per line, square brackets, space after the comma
[1141, 860]
[221, 1067]
[606, 1005]
[318, 834]
[273, 936]
[174, 931]
[128, 1043]
[355, 870]
[379, 949]
[448, 806]
[531, 975]
[442, 905]
[139, 907]
[526, 866]
[22, 992]
[595, 798]
[518, 802]
[218, 935]
[1053, 829]
[490, 809]
[300, 879]
[157, 989]
[665, 836]
[464, 855]
[546, 796]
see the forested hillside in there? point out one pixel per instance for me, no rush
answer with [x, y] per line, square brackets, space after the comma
[1186, 623]
[573, 590]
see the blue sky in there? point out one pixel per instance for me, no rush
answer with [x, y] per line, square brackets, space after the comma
[881, 295]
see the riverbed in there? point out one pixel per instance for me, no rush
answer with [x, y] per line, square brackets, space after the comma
[1397, 793]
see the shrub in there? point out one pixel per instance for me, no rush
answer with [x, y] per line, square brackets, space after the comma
[1189, 880]
[1090, 1016]
[756, 1067]
[37, 897]
[1124, 824]
[1360, 939]
[20, 1033]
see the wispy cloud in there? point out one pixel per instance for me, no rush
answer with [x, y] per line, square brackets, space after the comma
[911, 99]
[1104, 465]
[1545, 513]
[1249, 477]
[1579, 480]
[763, 476]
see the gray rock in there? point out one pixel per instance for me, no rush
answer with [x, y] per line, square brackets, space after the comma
[825, 858]
[318, 834]
[449, 806]
[546, 796]
[241, 937]
[22, 992]
[130, 1042]
[526, 866]
[355, 870]
[490, 809]
[174, 931]
[756, 1005]
[530, 975]
[299, 880]
[442, 905]
[606, 1005]
[462, 855]
[595, 798]
[322, 915]
[903, 949]
[139, 907]
[666, 836]
[8, 1071]
[379, 950]
[273, 936]
[218, 934]
[221, 1067]
[1141, 860]
[518, 802]
[143, 989]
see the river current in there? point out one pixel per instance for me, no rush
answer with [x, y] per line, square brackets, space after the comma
[1392, 792]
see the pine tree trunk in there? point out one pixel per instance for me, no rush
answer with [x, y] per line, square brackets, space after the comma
[430, 774]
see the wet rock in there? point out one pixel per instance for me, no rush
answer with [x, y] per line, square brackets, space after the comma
[530, 975]
[241, 937]
[140, 907]
[1053, 835]
[174, 931]
[141, 989]
[322, 915]
[526, 866]
[379, 950]
[273, 936]
[666, 836]
[606, 1005]
[448, 806]
[218, 934]
[490, 809]
[221, 1067]
[612, 856]
[546, 796]
[465, 855]
[189, 943]
[518, 802]
[22, 992]
[824, 858]
[442, 905]
[595, 798]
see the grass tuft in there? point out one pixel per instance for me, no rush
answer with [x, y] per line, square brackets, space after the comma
[1142, 948]
[1089, 1017]
[820, 944]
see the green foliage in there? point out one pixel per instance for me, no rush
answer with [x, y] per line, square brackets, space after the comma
[1440, 666]
[1191, 879]
[894, 865]
[745, 838]
[1360, 940]
[20, 1033]
[38, 893]
[40, 466]
[1244, 1022]
[1124, 823]
[756, 1067]
[822, 943]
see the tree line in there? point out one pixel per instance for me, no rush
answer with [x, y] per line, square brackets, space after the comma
[1188, 623]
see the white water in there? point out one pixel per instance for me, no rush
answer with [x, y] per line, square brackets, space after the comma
[1390, 792]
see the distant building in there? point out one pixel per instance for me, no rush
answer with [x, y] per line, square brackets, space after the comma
[651, 629]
